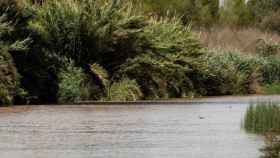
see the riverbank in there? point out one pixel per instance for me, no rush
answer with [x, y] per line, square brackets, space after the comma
[213, 99]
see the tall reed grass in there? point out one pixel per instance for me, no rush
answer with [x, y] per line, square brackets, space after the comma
[262, 118]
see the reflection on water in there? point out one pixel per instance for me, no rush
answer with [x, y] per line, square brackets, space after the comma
[152, 131]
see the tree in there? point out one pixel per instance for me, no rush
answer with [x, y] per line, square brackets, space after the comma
[261, 8]
[235, 12]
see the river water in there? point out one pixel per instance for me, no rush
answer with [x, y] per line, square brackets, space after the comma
[191, 130]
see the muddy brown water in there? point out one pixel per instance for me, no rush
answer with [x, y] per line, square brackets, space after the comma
[209, 129]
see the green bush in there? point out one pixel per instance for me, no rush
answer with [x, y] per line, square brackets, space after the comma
[89, 32]
[162, 73]
[231, 73]
[157, 54]
[9, 77]
[71, 84]
[271, 69]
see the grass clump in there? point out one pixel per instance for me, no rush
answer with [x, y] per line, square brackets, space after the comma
[262, 118]
[124, 90]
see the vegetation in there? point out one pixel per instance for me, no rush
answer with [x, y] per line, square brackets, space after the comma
[71, 88]
[10, 89]
[124, 90]
[66, 51]
[264, 118]
[273, 88]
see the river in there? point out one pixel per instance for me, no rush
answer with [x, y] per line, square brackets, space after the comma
[192, 130]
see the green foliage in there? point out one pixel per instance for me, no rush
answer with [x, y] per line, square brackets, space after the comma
[138, 56]
[263, 117]
[89, 32]
[70, 84]
[196, 12]
[9, 77]
[271, 69]
[273, 88]
[231, 73]
[123, 90]
[162, 72]
[159, 77]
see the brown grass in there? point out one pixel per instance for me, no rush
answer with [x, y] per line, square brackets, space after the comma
[243, 40]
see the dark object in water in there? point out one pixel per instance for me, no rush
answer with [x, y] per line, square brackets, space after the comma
[200, 117]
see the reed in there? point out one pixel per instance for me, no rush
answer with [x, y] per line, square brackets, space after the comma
[262, 118]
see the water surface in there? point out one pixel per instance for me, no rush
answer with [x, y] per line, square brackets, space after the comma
[191, 130]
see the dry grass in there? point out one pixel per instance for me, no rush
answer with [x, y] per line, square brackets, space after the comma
[243, 40]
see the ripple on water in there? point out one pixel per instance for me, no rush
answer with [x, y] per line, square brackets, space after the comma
[148, 131]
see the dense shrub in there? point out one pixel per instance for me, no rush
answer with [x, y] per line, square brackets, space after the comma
[71, 88]
[12, 42]
[261, 8]
[232, 73]
[271, 69]
[119, 90]
[138, 56]
[37, 76]
[162, 72]
[89, 32]
[9, 78]
[269, 61]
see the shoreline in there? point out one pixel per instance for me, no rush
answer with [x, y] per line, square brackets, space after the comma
[206, 99]
[231, 99]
